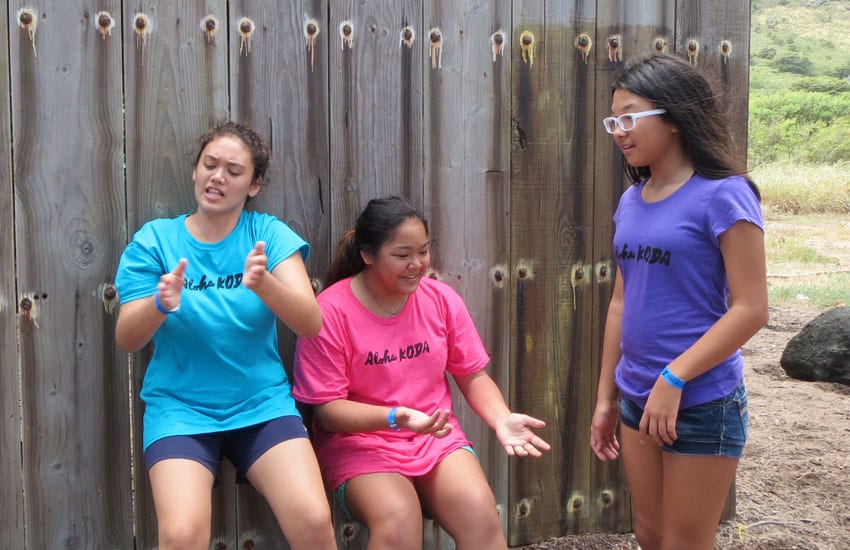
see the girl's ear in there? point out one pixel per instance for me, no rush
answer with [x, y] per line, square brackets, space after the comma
[367, 259]
[255, 187]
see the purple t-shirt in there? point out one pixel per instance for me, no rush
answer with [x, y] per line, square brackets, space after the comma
[399, 361]
[674, 281]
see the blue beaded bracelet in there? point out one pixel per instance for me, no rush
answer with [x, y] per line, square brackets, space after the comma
[391, 419]
[672, 379]
[160, 307]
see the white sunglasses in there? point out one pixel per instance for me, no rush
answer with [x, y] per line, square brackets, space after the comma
[627, 121]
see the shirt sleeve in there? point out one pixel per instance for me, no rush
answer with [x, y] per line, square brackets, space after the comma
[281, 241]
[466, 351]
[139, 268]
[733, 201]
[320, 368]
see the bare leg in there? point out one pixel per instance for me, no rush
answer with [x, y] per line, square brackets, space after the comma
[389, 506]
[645, 476]
[456, 493]
[288, 476]
[182, 494]
[695, 491]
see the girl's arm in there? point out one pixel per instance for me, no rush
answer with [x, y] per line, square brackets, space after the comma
[742, 247]
[139, 319]
[513, 430]
[343, 415]
[287, 292]
[603, 428]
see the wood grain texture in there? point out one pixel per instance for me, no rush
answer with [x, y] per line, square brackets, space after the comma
[716, 26]
[467, 188]
[69, 230]
[176, 86]
[375, 107]
[551, 251]
[11, 469]
[291, 112]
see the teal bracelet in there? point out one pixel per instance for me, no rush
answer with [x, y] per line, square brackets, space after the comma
[160, 307]
[672, 379]
[391, 419]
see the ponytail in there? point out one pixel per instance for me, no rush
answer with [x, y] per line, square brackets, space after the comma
[347, 261]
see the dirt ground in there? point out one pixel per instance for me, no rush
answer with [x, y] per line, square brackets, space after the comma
[793, 484]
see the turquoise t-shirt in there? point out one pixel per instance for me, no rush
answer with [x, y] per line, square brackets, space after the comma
[215, 363]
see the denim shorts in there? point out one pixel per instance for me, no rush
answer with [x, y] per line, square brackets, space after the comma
[242, 447]
[716, 428]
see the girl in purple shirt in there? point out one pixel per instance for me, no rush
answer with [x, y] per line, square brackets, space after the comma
[691, 289]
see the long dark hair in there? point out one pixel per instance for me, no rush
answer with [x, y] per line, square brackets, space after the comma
[375, 226]
[673, 84]
[260, 152]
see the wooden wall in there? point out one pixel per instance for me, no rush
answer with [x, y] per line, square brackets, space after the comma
[503, 151]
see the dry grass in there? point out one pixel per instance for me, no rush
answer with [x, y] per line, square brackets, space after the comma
[797, 189]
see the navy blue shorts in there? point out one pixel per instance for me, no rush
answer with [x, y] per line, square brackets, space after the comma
[242, 447]
[716, 428]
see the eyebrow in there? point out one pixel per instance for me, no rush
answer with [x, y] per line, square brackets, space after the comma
[229, 163]
[406, 246]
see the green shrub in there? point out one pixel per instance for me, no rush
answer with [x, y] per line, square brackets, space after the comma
[793, 64]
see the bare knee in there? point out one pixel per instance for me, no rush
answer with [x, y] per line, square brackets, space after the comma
[648, 534]
[476, 524]
[396, 529]
[311, 530]
[183, 534]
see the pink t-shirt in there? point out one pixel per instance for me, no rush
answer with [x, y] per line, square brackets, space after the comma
[399, 361]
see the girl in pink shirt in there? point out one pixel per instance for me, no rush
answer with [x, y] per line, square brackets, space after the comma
[384, 431]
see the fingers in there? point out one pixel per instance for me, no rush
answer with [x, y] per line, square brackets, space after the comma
[439, 426]
[523, 449]
[255, 266]
[660, 430]
[181, 268]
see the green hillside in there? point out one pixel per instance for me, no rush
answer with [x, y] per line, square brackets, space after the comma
[800, 82]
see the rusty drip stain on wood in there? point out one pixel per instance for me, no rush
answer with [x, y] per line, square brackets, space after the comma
[526, 43]
[406, 37]
[104, 23]
[693, 51]
[583, 44]
[435, 51]
[28, 21]
[311, 31]
[210, 26]
[246, 30]
[346, 34]
[615, 54]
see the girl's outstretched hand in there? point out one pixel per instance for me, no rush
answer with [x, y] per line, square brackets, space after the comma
[515, 434]
[435, 424]
[603, 431]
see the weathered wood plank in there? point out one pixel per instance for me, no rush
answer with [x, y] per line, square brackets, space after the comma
[637, 26]
[467, 187]
[375, 107]
[292, 113]
[176, 87]
[551, 250]
[11, 487]
[721, 30]
[69, 227]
